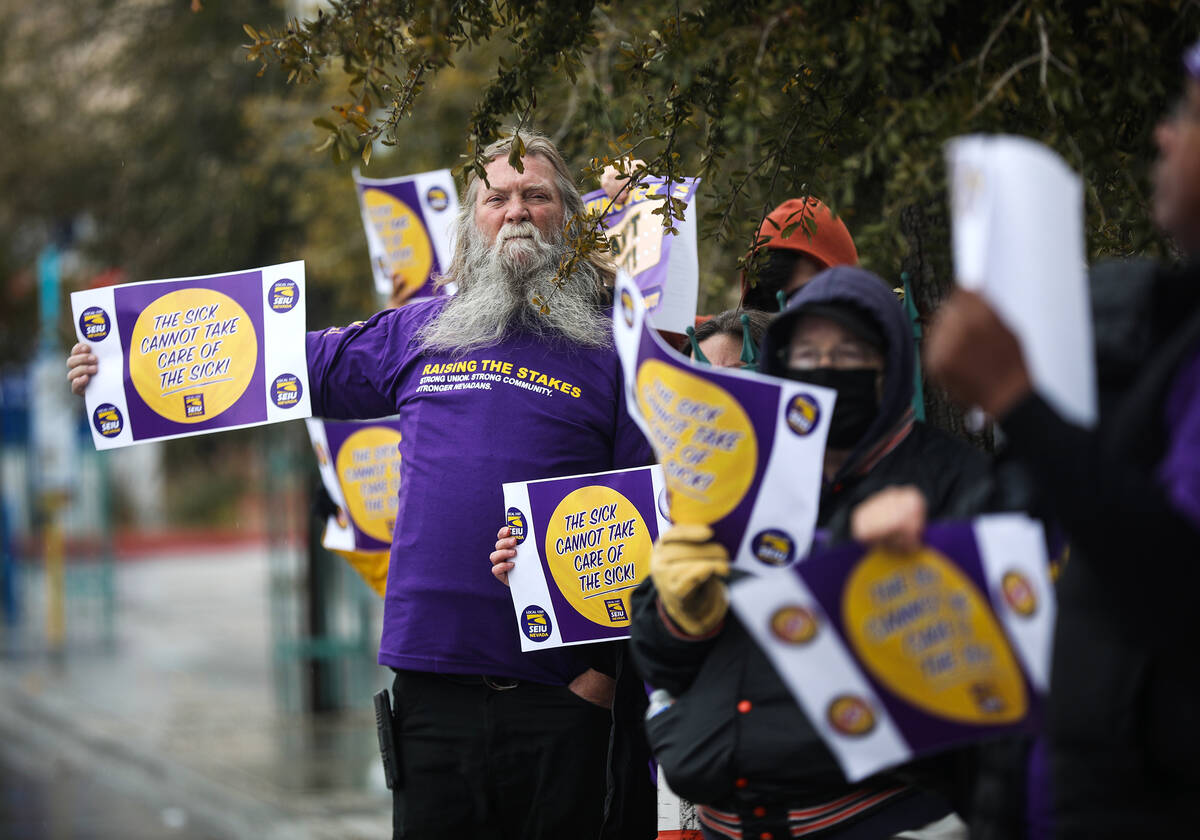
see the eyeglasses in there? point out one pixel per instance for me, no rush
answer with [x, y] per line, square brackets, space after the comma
[842, 356]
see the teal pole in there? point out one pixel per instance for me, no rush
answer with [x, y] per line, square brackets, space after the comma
[918, 402]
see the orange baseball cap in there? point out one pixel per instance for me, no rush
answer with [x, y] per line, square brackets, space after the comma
[829, 243]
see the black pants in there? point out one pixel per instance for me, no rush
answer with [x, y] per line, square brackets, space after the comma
[522, 763]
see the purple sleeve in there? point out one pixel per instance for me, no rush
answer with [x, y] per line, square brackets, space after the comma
[630, 447]
[1180, 469]
[352, 370]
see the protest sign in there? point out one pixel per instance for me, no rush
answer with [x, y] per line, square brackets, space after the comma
[194, 355]
[1017, 235]
[359, 461]
[409, 223]
[583, 545]
[894, 656]
[740, 451]
[664, 266]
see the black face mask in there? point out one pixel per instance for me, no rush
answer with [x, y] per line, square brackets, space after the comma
[857, 401]
[773, 277]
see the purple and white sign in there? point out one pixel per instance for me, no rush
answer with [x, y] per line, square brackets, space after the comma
[664, 266]
[194, 355]
[359, 461]
[894, 656]
[409, 223]
[740, 452]
[583, 547]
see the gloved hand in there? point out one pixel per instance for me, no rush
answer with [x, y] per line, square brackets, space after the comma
[687, 567]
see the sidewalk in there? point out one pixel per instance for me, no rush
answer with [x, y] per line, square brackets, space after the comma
[181, 711]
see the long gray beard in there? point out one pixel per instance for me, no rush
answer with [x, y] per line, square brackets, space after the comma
[496, 285]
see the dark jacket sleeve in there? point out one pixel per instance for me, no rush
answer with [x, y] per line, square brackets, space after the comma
[1112, 509]
[664, 657]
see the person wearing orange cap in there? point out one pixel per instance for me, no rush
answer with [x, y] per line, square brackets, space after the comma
[802, 238]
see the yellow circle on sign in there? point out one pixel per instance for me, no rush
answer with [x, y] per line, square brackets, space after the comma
[407, 248]
[192, 354]
[598, 550]
[703, 438]
[368, 469]
[925, 631]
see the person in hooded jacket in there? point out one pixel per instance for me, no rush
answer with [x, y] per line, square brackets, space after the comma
[734, 740]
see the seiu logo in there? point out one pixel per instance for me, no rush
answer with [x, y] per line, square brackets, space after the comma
[616, 609]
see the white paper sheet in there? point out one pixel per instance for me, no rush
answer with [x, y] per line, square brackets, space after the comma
[1018, 240]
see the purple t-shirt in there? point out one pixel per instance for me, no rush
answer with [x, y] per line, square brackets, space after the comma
[522, 409]
[1180, 467]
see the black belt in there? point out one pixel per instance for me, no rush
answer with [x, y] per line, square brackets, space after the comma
[492, 682]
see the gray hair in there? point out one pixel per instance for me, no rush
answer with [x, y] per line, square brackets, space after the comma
[495, 294]
[539, 145]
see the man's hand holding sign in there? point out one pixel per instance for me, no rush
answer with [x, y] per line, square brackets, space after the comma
[81, 367]
[574, 550]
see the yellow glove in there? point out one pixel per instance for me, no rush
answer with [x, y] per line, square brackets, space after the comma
[687, 567]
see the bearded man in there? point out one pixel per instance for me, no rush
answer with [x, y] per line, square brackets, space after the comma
[489, 388]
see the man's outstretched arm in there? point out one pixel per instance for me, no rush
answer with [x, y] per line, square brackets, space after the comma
[353, 371]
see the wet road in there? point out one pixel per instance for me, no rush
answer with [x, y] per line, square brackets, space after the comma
[177, 730]
[58, 803]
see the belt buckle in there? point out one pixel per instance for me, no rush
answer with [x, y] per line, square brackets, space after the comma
[499, 683]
